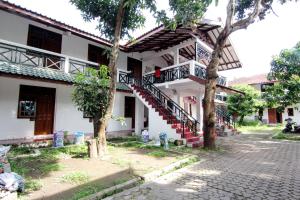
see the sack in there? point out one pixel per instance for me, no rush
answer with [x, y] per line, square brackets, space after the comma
[58, 139]
[11, 182]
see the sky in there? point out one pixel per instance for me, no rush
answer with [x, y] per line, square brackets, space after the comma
[255, 46]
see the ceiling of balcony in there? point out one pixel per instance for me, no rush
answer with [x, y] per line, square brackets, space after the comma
[162, 38]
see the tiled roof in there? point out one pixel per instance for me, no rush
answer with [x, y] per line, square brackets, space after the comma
[256, 79]
[43, 73]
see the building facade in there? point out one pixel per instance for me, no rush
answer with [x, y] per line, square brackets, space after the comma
[40, 56]
[268, 115]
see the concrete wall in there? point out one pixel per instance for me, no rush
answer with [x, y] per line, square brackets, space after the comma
[16, 30]
[67, 117]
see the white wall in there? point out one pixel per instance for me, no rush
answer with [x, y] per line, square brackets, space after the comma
[296, 117]
[67, 117]
[16, 30]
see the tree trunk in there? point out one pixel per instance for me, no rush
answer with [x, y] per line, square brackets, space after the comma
[92, 148]
[113, 73]
[241, 119]
[209, 115]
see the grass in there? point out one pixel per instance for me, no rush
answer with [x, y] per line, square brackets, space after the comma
[260, 128]
[87, 190]
[75, 178]
[90, 189]
[33, 185]
[158, 153]
[285, 136]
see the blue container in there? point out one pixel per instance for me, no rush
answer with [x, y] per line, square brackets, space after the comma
[164, 140]
[58, 139]
[79, 138]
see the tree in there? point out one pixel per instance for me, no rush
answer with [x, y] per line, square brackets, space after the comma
[116, 18]
[285, 72]
[244, 104]
[240, 14]
[91, 96]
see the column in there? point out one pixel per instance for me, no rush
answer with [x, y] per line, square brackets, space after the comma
[199, 109]
[139, 116]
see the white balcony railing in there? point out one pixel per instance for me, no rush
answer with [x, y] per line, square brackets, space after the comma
[181, 71]
[30, 56]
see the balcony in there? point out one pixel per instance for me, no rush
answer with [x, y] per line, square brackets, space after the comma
[34, 57]
[181, 71]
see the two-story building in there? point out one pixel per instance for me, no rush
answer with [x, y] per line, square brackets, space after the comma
[161, 77]
[267, 115]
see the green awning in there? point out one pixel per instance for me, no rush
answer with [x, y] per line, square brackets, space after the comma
[43, 73]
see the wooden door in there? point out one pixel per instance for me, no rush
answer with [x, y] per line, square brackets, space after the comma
[47, 40]
[272, 116]
[130, 109]
[45, 111]
[135, 66]
[97, 55]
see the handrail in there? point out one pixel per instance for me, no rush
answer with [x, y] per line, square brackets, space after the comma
[33, 51]
[165, 101]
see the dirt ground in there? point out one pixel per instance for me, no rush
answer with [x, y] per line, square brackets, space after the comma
[120, 165]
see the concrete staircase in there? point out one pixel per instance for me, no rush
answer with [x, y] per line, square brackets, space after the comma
[192, 140]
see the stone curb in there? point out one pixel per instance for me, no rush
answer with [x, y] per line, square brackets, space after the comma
[155, 174]
[121, 186]
[147, 178]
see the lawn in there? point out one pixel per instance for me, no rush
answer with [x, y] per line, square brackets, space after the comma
[260, 128]
[67, 173]
[286, 136]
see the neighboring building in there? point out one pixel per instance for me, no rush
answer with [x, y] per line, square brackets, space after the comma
[268, 115]
[39, 57]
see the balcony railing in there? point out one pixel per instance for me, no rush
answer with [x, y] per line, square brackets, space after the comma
[181, 71]
[30, 56]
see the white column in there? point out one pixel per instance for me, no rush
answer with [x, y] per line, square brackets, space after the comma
[199, 109]
[176, 56]
[139, 116]
[67, 65]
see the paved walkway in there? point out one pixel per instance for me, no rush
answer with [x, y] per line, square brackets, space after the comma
[254, 167]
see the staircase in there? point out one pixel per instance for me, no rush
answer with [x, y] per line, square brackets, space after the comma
[183, 124]
[223, 118]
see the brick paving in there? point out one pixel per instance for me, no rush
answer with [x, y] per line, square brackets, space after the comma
[253, 167]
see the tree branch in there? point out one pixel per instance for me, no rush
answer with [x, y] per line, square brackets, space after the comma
[244, 23]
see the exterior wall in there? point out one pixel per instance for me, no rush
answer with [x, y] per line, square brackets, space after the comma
[67, 117]
[16, 30]
[296, 117]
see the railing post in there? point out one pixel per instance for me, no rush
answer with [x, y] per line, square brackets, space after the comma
[67, 65]
[192, 67]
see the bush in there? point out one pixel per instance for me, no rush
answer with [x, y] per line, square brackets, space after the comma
[250, 123]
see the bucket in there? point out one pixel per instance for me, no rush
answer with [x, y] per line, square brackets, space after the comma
[79, 138]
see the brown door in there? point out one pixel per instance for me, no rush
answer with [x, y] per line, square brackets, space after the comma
[47, 40]
[44, 112]
[130, 109]
[97, 55]
[272, 116]
[135, 66]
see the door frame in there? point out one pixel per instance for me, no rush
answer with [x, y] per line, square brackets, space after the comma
[35, 93]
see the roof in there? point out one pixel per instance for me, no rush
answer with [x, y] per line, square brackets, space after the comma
[43, 73]
[162, 38]
[251, 80]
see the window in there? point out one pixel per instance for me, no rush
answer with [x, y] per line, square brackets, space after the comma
[290, 112]
[27, 109]
[27, 103]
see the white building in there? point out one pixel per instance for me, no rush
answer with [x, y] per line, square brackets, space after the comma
[39, 57]
[267, 115]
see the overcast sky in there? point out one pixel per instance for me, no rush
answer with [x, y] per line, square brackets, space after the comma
[254, 46]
